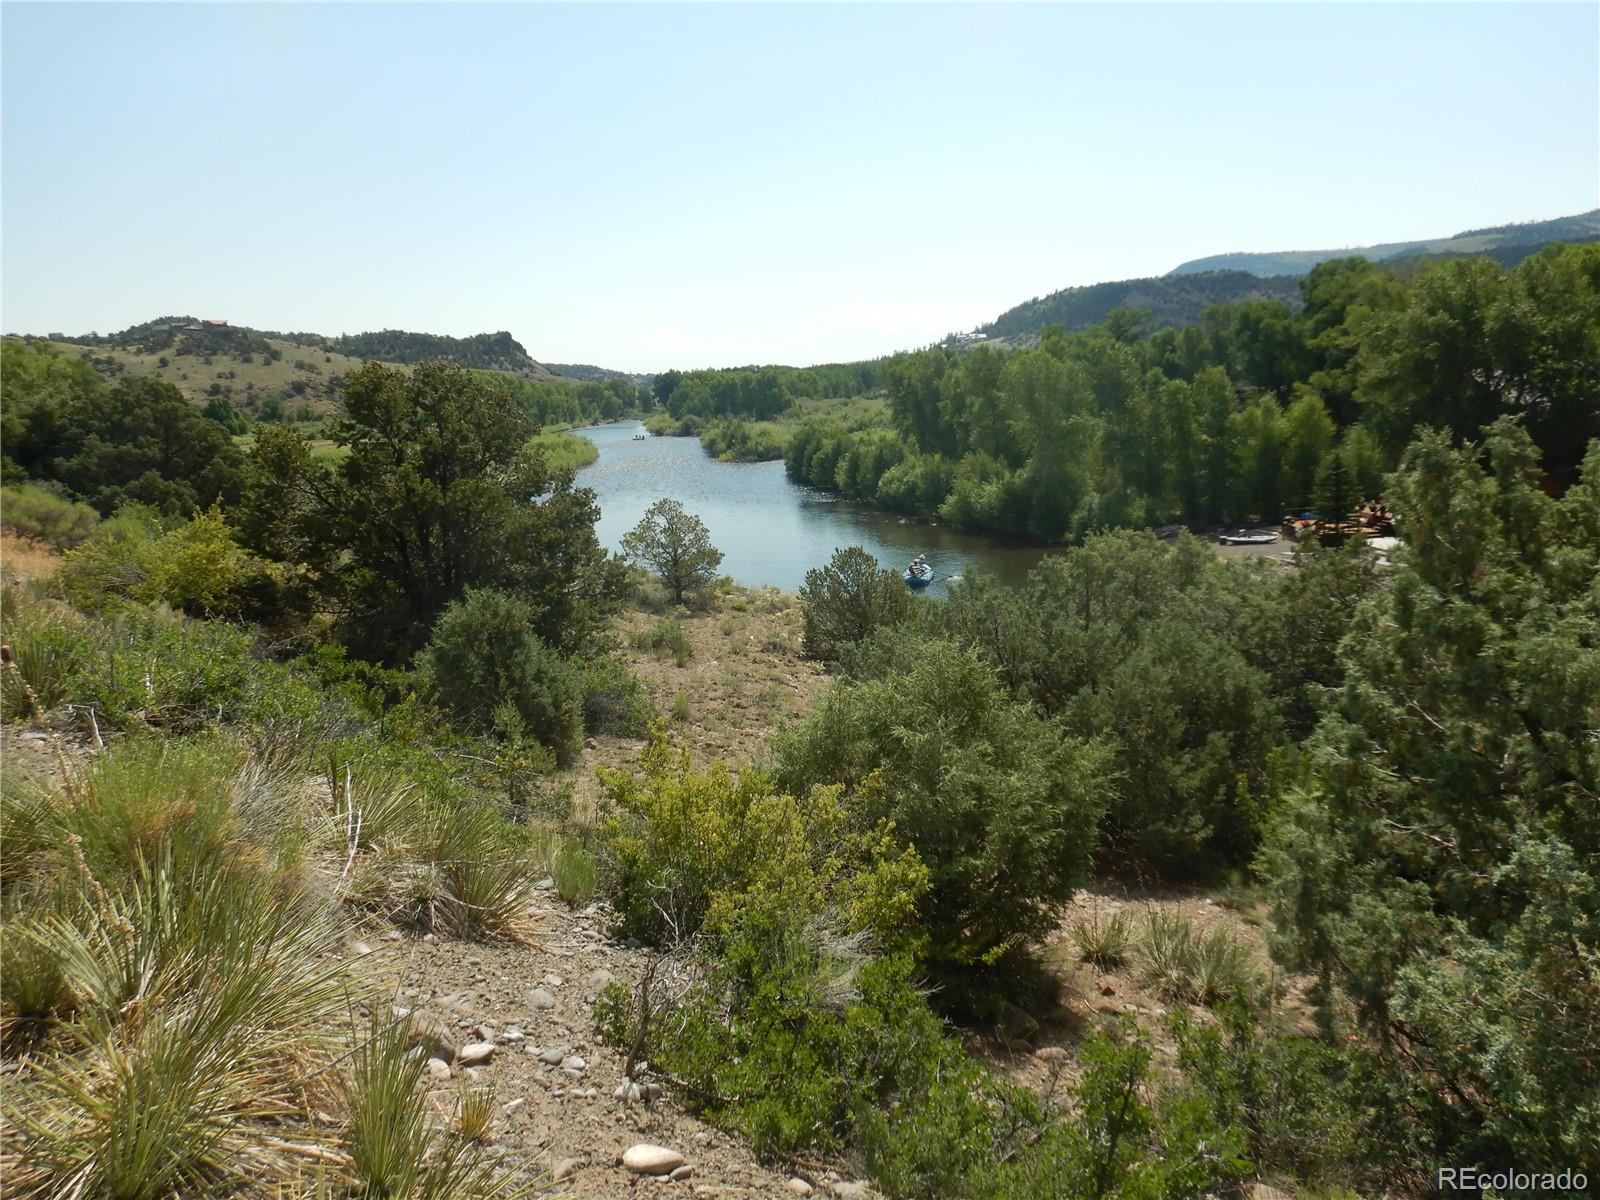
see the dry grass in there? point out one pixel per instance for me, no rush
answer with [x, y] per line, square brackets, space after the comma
[193, 377]
[174, 997]
[22, 559]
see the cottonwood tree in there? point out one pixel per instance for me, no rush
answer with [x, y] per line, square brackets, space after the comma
[675, 545]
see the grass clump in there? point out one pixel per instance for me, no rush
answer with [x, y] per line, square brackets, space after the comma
[1195, 966]
[667, 638]
[475, 1113]
[576, 872]
[614, 701]
[180, 988]
[396, 1148]
[30, 511]
[195, 1005]
[1103, 940]
[139, 668]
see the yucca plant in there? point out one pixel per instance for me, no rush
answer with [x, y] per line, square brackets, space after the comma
[1166, 954]
[376, 807]
[1222, 968]
[202, 1003]
[32, 990]
[485, 872]
[29, 831]
[132, 1111]
[388, 1131]
[43, 661]
[395, 1147]
[1102, 939]
[475, 1112]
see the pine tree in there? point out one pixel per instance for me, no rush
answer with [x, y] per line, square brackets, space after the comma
[1441, 871]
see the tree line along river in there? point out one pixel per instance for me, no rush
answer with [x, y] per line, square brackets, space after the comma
[770, 531]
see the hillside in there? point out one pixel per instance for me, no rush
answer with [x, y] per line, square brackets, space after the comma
[484, 351]
[1507, 244]
[588, 373]
[295, 374]
[1172, 301]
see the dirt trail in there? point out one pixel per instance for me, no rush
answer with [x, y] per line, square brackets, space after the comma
[553, 1081]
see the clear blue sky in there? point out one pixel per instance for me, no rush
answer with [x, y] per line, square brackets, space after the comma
[645, 187]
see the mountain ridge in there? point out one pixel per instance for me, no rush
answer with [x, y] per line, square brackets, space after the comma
[1524, 237]
[269, 371]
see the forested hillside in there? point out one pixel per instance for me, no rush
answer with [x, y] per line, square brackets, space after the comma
[1167, 300]
[589, 373]
[1506, 244]
[1259, 408]
[482, 351]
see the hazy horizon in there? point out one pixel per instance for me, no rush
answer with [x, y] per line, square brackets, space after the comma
[651, 187]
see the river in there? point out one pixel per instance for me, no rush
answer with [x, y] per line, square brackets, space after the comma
[770, 531]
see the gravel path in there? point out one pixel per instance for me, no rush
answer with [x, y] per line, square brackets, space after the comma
[554, 1084]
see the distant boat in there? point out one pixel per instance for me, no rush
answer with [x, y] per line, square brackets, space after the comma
[1247, 539]
[920, 573]
[640, 436]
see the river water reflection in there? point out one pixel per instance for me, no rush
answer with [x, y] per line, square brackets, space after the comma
[770, 531]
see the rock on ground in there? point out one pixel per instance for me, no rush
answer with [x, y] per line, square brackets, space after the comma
[645, 1159]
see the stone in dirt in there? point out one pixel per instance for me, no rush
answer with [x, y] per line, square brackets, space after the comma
[645, 1159]
[552, 1056]
[432, 1036]
[852, 1191]
[1051, 1054]
[438, 1070]
[476, 1054]
[799, 1187]
[540, 998]
[566, 1169]
[682, 1173]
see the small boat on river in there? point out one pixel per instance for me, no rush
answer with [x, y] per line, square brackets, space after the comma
[639, 437]
[920, 573]
[1242, 538]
